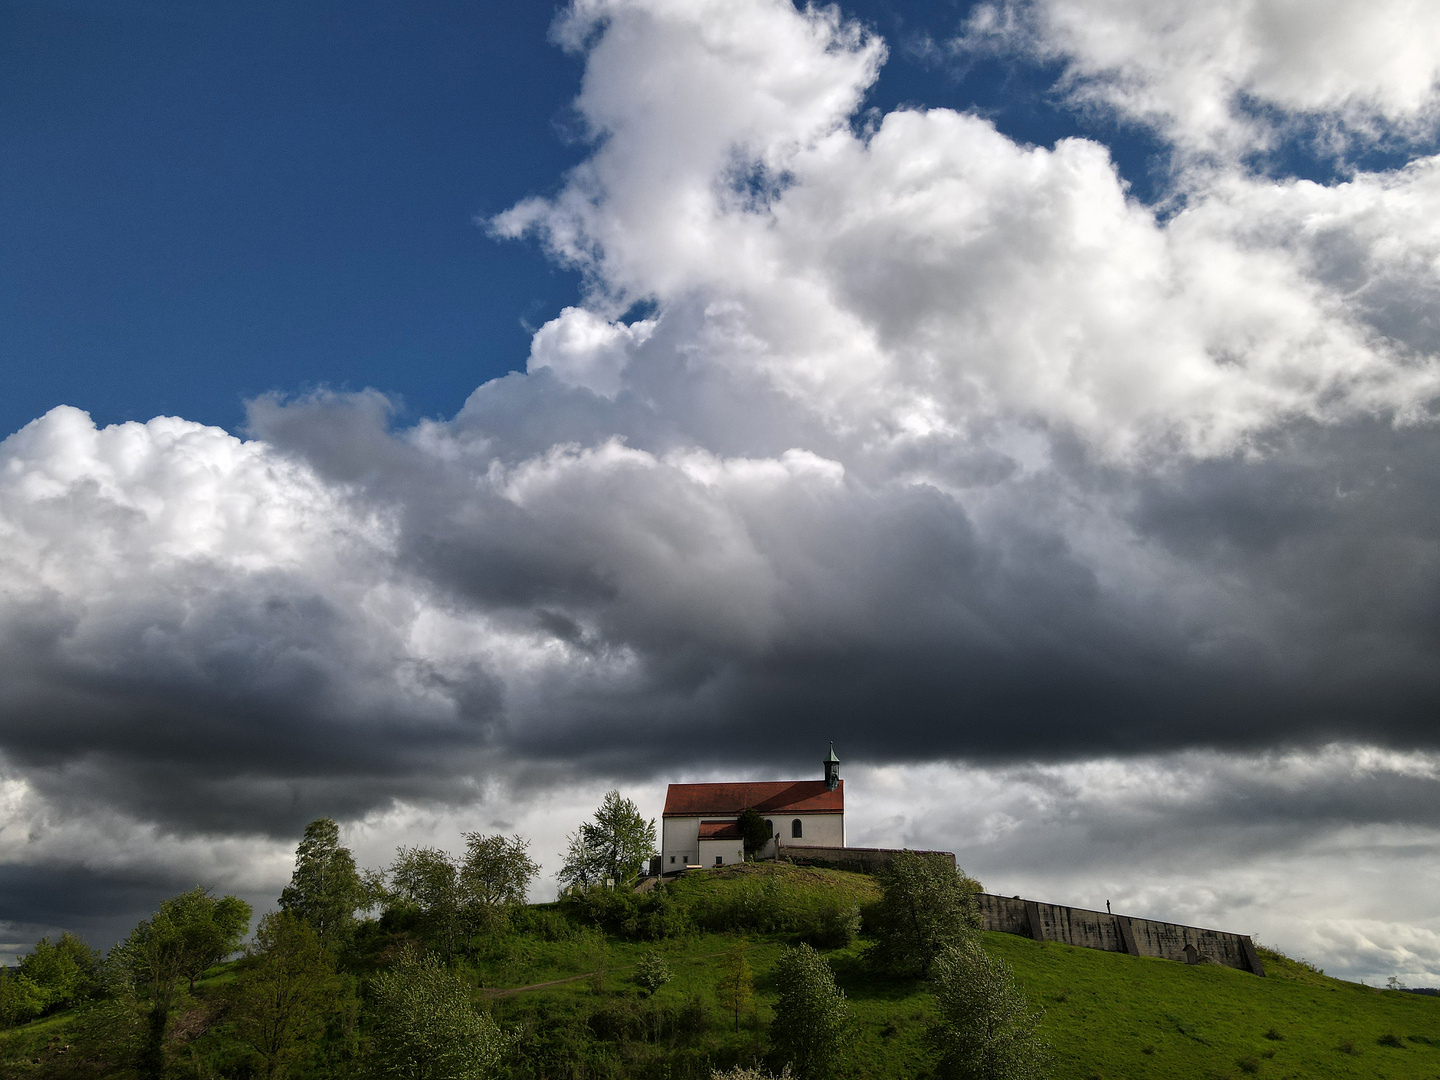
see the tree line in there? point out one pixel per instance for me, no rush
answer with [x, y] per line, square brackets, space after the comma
[313, 997]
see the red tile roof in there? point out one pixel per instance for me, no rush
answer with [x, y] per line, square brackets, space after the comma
[766, 796]
[719, 830]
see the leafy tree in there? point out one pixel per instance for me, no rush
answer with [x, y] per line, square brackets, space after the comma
[210, 928]
[614, 846]
[54, 975]
[927, 905]
[985, 1030]
[425, 1027]
[812, 1028]
[652, 972]
[755, 830]
[425, 881]
[737, 985]
[495, 875]
[282, 998]
[325, 888]
[186, 935]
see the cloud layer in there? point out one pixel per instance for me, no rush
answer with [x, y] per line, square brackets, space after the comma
[885, 429]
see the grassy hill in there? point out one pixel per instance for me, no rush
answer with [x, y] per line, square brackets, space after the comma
[1107, 1015]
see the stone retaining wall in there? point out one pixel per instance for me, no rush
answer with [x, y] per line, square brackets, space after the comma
[1118, 933]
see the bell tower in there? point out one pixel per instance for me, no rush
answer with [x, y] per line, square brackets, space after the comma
[832, 770]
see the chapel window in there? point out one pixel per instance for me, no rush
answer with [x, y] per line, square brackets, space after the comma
[795, 831]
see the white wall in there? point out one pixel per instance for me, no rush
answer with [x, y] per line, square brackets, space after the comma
[727, 851]
[680, 838]
[680, 842]
[817, 830]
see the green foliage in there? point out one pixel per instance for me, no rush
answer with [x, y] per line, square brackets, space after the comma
[986, 1029]
[926, 906]
[651, 973]
[54, 975]
[325, 888]
[188, 934]
[424, 882]
[424, 1027]
[735, 987]
[280, 1004]
[812, 1027]
[614, 846]
[495, 874]
[774, 900]
[652, 916]
[754, 829]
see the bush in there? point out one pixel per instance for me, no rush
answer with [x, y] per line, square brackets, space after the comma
[425, 1027]
[985, 1026]
[928, 906]
[813, 1028]
[1391, 1039]
[767, 903]
[651, 916]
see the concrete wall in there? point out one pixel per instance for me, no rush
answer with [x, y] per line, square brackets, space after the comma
[1116, 933]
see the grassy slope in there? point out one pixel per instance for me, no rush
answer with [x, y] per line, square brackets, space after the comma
[1107, 1015]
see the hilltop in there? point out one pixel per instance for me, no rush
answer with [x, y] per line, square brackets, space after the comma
[562, 977]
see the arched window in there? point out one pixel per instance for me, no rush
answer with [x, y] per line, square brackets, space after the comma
[795, 829]
[770, 825]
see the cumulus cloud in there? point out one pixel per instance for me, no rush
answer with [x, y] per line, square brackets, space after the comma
[930, 442]
[1238, 76]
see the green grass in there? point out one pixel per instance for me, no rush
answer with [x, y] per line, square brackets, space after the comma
[1107, 1015]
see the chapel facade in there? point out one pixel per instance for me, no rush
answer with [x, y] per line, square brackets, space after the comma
[700, 824]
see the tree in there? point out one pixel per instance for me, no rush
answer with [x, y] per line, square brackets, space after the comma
[186, 935]
[651, 972]
[425, 880]
[985, 1029]
[614, 846]
[495, 875]
[210, 929]
[737, 985]
[927, 905]
[812, 1029]
[54, 975]
[425, 1027]
[754, 829]
[282, 998]
[325, 888]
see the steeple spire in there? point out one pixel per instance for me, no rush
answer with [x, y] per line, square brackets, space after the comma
[832, 769]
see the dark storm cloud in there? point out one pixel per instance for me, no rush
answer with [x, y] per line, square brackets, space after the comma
[949, 450]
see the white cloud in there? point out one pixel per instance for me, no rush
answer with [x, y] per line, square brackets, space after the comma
[1229, 77]
[934, 443]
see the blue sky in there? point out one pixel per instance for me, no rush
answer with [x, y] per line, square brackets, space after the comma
[203, 203]
[1038, 398]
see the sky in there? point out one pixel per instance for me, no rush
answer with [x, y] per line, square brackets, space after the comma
[434, 418]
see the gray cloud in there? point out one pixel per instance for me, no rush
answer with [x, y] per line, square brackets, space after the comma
[944, 449]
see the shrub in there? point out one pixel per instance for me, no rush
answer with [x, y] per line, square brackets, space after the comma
[651, 916]
[985, 1026]
[652, 972]
[1391, 1039]
[767, 903]
[425, 1027]
[812, 1029]
[1248, 1064]
[928, 905]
